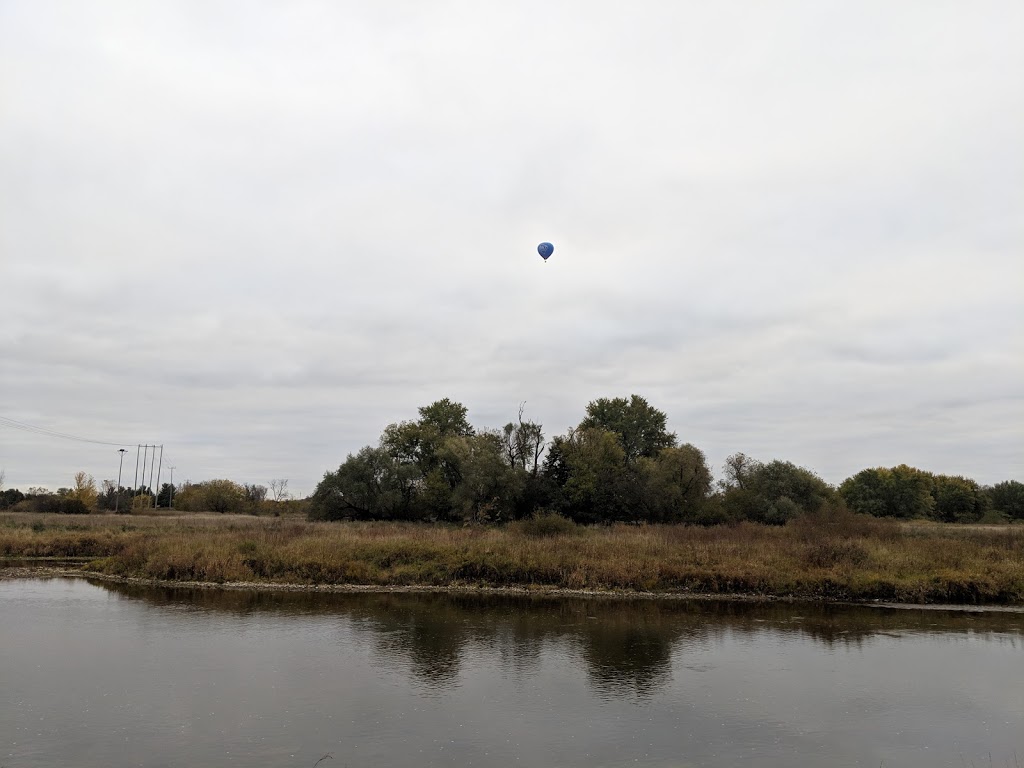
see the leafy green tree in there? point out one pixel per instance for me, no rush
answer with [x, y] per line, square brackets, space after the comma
[679, 483]
[369, 485]
[255, 494]
[902, 492]
[487, 486]
[783, 479]
[10, 497]
[592, 462]
[639, 427]
[221, 496]
[166, 496]
[738, 469]
[447, 417]
[111, 497]
[957, 499]
[1008, 498]
[419, 443]
[771, 493]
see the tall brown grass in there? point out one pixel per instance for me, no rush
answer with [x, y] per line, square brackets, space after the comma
[832, 556]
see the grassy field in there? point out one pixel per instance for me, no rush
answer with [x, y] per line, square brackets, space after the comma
[840, 558]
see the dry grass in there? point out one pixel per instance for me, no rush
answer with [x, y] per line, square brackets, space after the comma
[844, 557]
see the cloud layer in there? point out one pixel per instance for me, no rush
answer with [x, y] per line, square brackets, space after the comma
[258, 232]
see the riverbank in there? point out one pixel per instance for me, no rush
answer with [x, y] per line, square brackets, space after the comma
[845, 558]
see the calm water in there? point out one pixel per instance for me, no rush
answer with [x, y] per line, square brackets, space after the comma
[94, 675]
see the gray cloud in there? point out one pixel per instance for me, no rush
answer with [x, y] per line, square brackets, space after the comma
[258, 233]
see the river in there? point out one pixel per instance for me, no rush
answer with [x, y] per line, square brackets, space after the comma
[95, 674]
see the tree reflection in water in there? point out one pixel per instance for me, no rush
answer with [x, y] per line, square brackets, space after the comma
[627, 646]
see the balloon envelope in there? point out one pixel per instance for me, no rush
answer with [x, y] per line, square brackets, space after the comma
[545, 250]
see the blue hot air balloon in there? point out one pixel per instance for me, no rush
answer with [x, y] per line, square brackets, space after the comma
[545, 250]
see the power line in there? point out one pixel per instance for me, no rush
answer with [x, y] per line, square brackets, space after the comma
[20, 425]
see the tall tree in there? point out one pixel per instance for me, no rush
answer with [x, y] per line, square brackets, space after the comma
[85, 490]
[595, 487]
[447, 417]
[1008, 498]
[738, 469]
[487, 487]
[638, 426]
[523, 444]
[680, 483]
[419, 443]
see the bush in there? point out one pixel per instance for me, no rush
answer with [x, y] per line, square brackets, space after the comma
[832, 552]
[839, 521]
[56, 505]
[544, 524]
[10, 497]
[994, 517]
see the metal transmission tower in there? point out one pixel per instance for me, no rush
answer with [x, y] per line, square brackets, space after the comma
[151, 458]
[117, 492]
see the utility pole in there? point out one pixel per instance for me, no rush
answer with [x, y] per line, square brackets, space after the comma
[117, 492]
[159, 467]
[170, 501]
[145, 456]
[152, 464]
[135, 485]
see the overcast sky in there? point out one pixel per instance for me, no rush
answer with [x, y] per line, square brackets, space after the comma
[258, 232]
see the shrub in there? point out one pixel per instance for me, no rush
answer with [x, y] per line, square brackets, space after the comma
[543, 524]
[58, 505]
[994, 517]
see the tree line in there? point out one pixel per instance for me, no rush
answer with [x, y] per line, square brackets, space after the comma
[620, 463]
[83, 497]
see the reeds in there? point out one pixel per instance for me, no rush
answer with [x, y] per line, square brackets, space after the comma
[836, 557]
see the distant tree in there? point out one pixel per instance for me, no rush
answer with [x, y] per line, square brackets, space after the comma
[738, 469]
[679, 484]
[447, 417]
[901, 492]
[221, 496]
[142, 501]
[957, 499]
[10, 497]
[369, 485]
[771, 493]
[85, 490]
[639, 427]
[60, 505]
[1008, 498]
[595, 488]
[279, 489]
[783, 479]
[111, 498]
[488, 487]
[419, 444]
[254, 494]
[522, 443]
[189, 497]
[165, 498]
